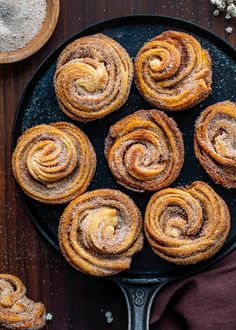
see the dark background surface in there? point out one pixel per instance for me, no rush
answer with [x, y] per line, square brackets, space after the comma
[75, 300]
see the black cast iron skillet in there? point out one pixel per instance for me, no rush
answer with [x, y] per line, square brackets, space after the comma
[148, 273]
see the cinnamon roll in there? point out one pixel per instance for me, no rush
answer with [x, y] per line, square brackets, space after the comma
[145, 150]
[54, 163]
[93, 77]
[187, 225]
[16, 310]
[173, 72]
[100, 231]
[215, 142]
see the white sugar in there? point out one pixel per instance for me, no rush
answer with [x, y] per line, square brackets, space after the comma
[20, 22]
[49, 317]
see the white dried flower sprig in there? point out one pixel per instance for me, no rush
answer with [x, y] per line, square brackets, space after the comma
[227, 6]
[231, 9]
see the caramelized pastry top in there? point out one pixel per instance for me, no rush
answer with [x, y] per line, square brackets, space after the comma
[93, 77]
[54, 163]
[173, 72]
[16, 310]
[187, 225]
[100, 231]
[215, 142]
[145, 150]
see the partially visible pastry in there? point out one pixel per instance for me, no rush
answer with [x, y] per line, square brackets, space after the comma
[173, 72]
[16, 310]
[187, 225]
[215, 142]
[145, 150]
[100, 231]
[54, 163]
[93, 77]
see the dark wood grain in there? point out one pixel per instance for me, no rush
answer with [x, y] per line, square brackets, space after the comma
[76, 301]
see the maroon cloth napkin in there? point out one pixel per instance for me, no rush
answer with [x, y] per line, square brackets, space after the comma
[203, 301]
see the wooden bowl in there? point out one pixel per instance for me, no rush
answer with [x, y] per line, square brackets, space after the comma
[49, 25]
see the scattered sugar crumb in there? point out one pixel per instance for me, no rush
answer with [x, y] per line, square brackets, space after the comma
[229, 30]
[109, 317]
[49, 317]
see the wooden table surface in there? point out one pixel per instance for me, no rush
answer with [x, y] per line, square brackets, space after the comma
[75, 300]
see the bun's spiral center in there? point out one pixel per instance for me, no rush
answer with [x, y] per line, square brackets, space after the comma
[222, 134]
[102, 230]
[225, 145]
[179, 215]
[90, 75]
[51, 160]
[155, 64]
[145, 158]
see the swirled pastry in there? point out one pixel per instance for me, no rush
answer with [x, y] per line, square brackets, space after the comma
[54, 163]
[100, 231]
[16, 310]
[145, 150]
[93, 77]
[187, 225]
[215, 142]
[173, 72]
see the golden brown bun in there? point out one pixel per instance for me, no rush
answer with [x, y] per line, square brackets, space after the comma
[54, 163]
[187, 225]
[215, 142]
[93, 77]
[16, 310]
[145, 150]
[100, 231]
[173, 72]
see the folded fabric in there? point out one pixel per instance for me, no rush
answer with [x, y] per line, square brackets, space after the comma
[203, 301]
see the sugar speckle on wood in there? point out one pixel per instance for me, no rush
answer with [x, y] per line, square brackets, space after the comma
[20, 22]
[229, 30]
[216, 12]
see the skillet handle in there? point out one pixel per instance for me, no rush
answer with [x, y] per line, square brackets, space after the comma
[139, 298]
